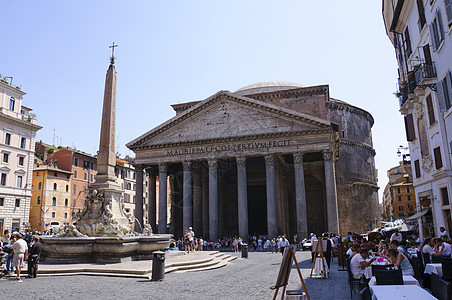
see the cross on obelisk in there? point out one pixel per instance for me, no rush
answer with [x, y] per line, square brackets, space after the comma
[112, 58]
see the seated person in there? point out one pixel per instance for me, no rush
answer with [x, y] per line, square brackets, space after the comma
[398, 246]
[383, 251]
[359, 263]
[429, 245]
[353, 250]
[440, 244]
[401, 261]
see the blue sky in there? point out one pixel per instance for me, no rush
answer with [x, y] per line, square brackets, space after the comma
[179, 51]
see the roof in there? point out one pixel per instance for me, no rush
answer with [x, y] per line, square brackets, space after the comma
[267, 86]
[50, 168]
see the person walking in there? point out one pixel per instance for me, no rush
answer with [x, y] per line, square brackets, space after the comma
[33, 258]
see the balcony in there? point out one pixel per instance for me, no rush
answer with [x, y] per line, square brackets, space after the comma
[422, 76]
[423, 72]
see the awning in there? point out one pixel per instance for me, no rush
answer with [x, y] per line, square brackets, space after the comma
[419, 214]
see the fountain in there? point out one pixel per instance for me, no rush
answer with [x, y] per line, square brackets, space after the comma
[104, 231]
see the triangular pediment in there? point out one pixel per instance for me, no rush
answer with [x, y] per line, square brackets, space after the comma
[226, 115]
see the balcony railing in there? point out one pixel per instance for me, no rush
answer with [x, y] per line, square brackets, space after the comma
[424, 71]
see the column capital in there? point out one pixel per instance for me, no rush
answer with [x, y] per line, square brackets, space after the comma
[186, 165]
[269, 160]
[138, 168]
[298, 157]
[163, 167]
[151, 171]
[213, 163]
[327, 154]
[241, 161]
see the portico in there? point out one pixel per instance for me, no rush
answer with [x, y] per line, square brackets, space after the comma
[241, 166]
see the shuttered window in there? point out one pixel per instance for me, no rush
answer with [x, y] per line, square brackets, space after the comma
[417, 168]
[420, 9]
[407, 43]
[438, 159]
[436, 30]
[444, 88]
[448, 5]
[431, 114]
[409, 128]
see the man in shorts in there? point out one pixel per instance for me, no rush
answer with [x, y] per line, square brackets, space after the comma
[20, 249]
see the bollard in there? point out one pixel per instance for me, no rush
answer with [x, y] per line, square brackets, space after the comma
[158, 265]
[244, 250]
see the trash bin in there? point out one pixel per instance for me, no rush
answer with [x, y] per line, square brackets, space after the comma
[158, 265]
[244, 250]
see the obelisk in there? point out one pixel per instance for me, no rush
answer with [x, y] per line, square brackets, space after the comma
[112, 212]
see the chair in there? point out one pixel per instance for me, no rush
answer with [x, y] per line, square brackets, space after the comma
[447, 270]
[440, 288]
[426, 258]
[380, 267]
[364, 294]
[351, 281]
[389, 277]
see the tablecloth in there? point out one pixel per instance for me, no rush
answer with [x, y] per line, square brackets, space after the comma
[391, 292]
[318, 267]
[407, 280]
[436, 268]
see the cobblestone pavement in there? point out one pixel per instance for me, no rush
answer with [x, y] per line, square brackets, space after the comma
[241, 279]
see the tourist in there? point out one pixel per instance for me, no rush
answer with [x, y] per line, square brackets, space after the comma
[444, 234]
[192, 239]
[200, 244]
[283, 243]
[401, 261]
[396, 236]
[354, 249]
[267, 245]
[20, 249]
[446, 247]
[359, 263]
[187, 241]
[259, 244]
[34, 256]
[428, 247]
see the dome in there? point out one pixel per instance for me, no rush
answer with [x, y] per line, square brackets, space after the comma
[267, 86]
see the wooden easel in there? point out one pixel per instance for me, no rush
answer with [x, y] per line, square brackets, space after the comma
[284, 272]
[319, 242]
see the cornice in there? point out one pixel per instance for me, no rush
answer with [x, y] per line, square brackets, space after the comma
[357, 144]
[21, 122]
[321, 89]
[348, 107]
[225, 95]
[237, 139]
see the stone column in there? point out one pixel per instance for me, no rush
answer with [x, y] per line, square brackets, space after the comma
[213, 200]
[162, 226]
[272, 220]
[300, 197]
[139, 199]
[205, 203]
[197, 200]
[331, 198]
[187, 197]
[152, 205]
[242, 198]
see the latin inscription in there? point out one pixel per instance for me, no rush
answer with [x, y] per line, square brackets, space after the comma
[230, 147]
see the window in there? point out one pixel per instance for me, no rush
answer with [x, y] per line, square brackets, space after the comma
[92, 178]
[15, 224]
[438, 159]
[3, 179]
[67, 188]
[74, 189]
[85, 176]
[444, 88]
[448, 5]
[91, 165]
[5, 157]
[417, 168]
[38, 200]
[408, 189]
[398, 190]
[17, 202]
[65, 215]
[399, 199]
[437, 31]
[409, 128]
[12, 103]
[407, 43]
[19, 181]
[53, 214]
[54, 201]
[445, 196]
[420, 9]
[55, 186]
[39, 186]
[75, 173]
[2, 201]
[23, 142]
[21, 161]
[8, 138]
[431, 114]
[408, 198]
[76, 161]
[66, 202]
[400, 208]
[55, 174]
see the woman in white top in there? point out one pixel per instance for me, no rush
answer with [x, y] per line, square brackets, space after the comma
[401, 261]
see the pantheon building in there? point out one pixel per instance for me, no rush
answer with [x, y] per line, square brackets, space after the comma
[270, 158]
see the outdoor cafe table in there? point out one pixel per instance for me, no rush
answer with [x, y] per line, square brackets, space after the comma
[368, 270]
[407, 280]
[391, 292]
[435, 268]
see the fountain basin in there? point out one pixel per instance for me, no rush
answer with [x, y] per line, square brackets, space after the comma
[101, 249]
